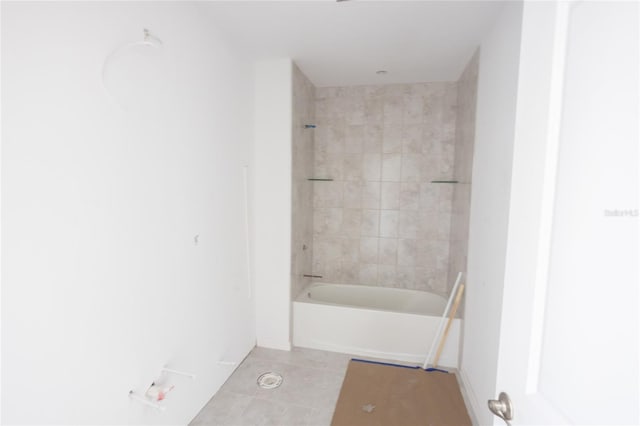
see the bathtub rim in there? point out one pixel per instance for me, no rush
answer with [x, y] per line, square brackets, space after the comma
[303, 297]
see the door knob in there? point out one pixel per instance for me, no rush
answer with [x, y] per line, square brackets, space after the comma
[502, 407]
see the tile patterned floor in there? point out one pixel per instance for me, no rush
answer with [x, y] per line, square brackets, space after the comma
[307, 396]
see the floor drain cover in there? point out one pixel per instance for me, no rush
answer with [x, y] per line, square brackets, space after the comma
[269, 380]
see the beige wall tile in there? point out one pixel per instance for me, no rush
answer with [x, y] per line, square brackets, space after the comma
[373, 108]
[327, 221]
[435, 226]
[355, 113]
[331, 272]
[445, 198]
[373, 92]
[368, 250]
[327, 194]
[462, 164]
[387, 276]
[407, 252]
[349, 272]
[406, 277]
[388, 223]
[368, 273]
[352, 167]
[354, 139]
[411, 169]
[372, 139]
[424, 279]
[391, 137]
[371, 195]
[388, 251]
[327, 249]
[409, 196]
[303, 152]
[371, 166]
[393, 109]
[352, 194]
[389, 195]
[370, 223]
[397, 90]
[412, 137]
[383, 145]
[391, 167]
[413, 112]
[335, 136]
[351, 222]
[429, 193]
[408, 223]
[350, 249]
[328, 165]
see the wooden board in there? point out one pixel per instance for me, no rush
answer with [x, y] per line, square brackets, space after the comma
[401, 396]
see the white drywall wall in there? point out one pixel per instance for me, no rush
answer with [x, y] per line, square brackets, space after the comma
[272, 213]
[103, 198]
[488, 223]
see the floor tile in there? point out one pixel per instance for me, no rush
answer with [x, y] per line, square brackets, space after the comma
[306, 397]
[261, 412]
[321, 417]
[244, 379]
[223, 409]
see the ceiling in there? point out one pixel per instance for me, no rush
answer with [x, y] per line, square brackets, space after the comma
[345, 43]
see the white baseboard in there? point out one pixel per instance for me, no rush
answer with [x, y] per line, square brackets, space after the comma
[418, 359]
[271, 344]
[470, 399]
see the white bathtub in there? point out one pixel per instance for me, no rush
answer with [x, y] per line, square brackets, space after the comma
[372, 321]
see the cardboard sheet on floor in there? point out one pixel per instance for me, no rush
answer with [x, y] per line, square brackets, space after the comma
[384, 395]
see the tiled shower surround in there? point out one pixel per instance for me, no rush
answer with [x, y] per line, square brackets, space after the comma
[302, 189]
[465, 136]
[381, 220]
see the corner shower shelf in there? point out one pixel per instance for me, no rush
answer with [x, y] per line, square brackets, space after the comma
[320, 179]
[444, 181]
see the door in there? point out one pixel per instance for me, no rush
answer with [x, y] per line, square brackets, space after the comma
[569, 331]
